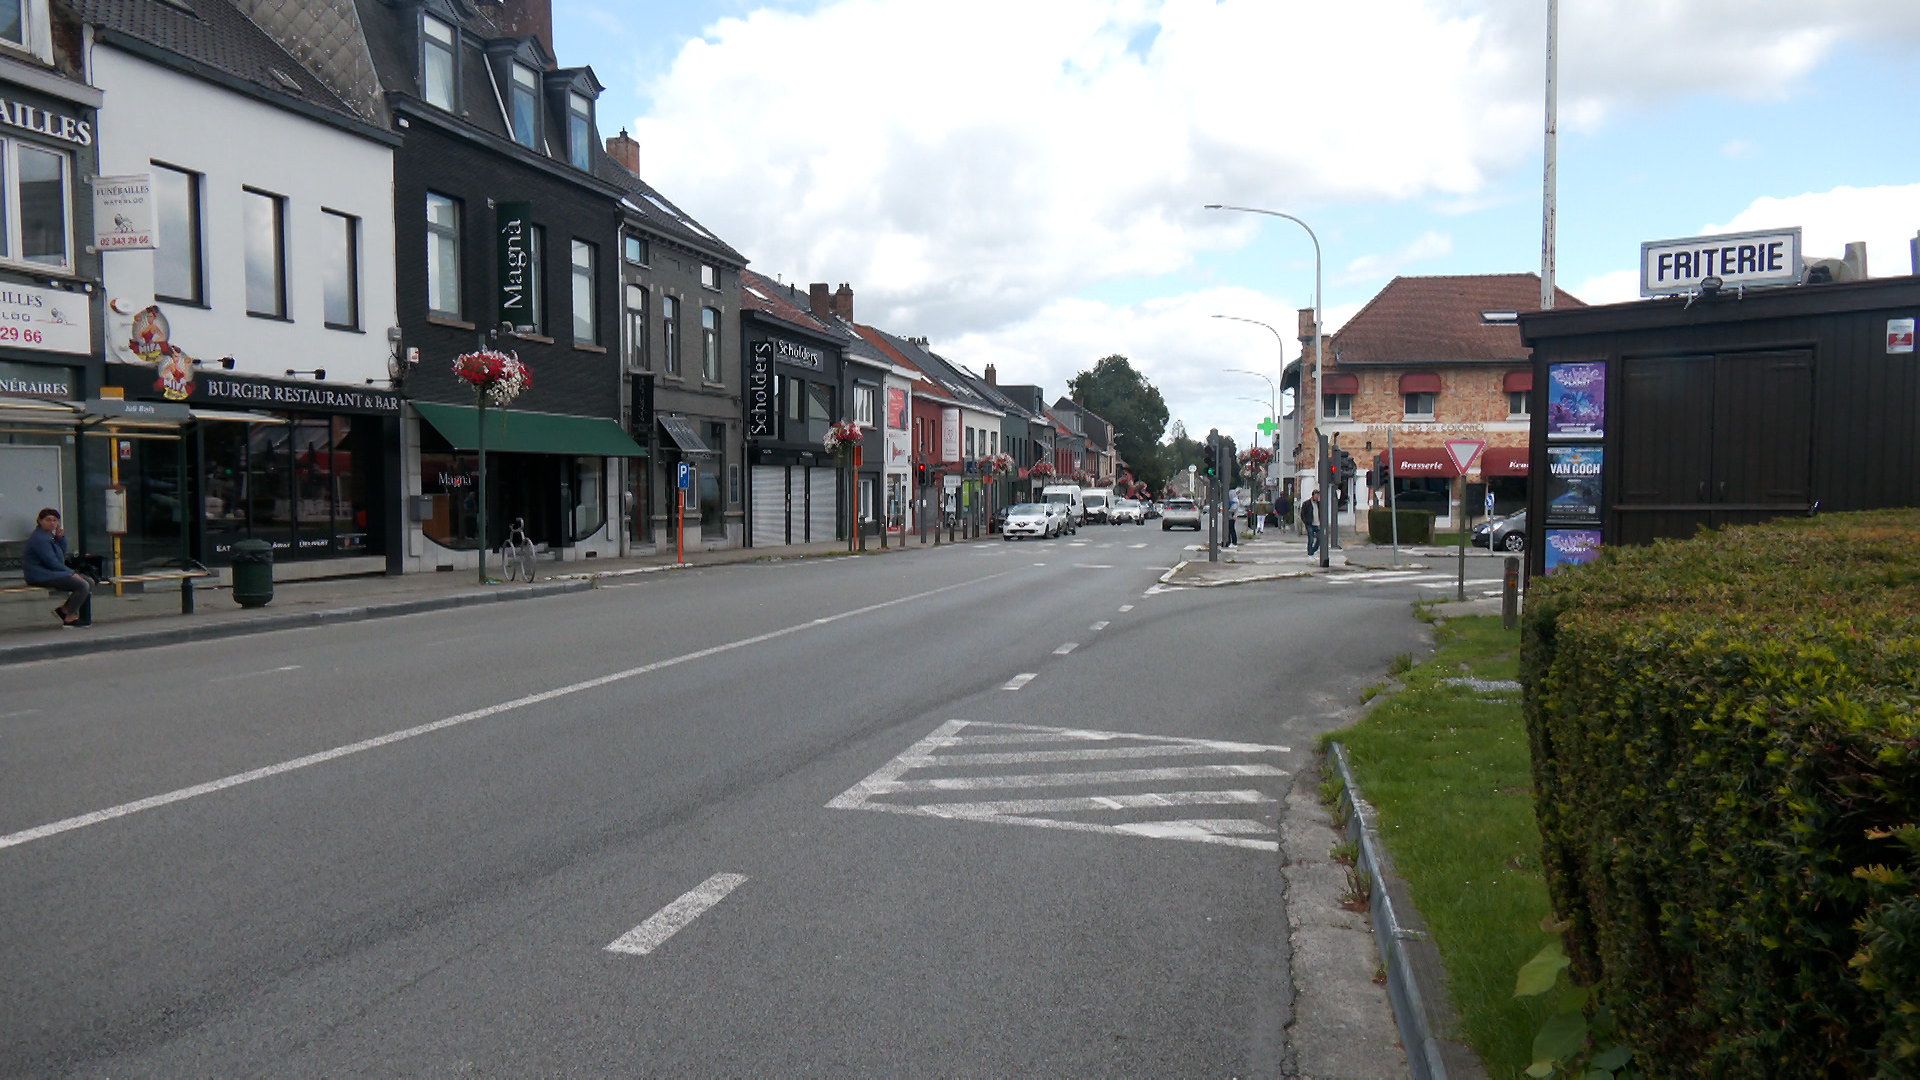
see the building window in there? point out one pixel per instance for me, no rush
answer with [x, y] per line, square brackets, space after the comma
[443, 256]
[580, 130]
[13, 23]
[583, 313]
[636, 326]
[37, 216]
[713, 525]
[177, 259]
[710, 344]
[1338, 406]
[523, 105]
[994, 438]
[792, 407]
[634, 250]
[820, 402]
[340, 270]
[969, 442]
[670, 329]
[863, 405]
[1519, 404]
[537, 278]
[437, 62]
[1419, 406]
[709, 276]
[263, 219]
[733, 485]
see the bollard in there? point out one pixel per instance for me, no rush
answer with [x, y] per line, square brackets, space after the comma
[186, 596]
[1510, 595]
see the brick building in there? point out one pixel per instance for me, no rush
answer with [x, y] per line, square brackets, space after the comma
[1428, 359]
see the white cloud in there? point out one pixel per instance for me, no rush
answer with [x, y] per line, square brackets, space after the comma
[1428, 245]
[1885, 218]
[1609, 288]
[965, 165]
[1740, 148]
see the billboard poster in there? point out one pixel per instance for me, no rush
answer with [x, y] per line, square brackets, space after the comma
[1570, 547]
[1573, 483]
[1577, 400]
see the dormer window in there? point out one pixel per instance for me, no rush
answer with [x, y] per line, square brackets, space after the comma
[579, 130]
[525, 106]
[437, 64]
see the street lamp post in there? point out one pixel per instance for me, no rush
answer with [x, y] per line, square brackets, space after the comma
[1320, 436]
[1273, 406]
[1281, 369]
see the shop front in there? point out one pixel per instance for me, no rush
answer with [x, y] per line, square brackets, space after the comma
[797, 492]
[550, 472]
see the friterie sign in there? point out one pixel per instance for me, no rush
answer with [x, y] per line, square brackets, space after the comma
[1670, 267]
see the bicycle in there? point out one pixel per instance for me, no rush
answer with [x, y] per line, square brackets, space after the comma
[516, 552]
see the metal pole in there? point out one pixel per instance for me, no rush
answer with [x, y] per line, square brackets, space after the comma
[1460, 528]
[479, 406]
[1213, 503]
[1510, 594]
[1548, 210]
[1393, 501]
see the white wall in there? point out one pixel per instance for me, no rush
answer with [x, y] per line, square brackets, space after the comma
[153, 113]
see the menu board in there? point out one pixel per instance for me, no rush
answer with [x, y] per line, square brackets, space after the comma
[1573, 483]
[1570, 547]
[1577, 400]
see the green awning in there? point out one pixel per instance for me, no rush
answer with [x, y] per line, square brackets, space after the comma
[513, 431]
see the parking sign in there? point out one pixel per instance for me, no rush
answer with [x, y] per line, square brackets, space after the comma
[680, 477]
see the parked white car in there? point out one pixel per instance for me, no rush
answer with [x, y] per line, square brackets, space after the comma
[1032, 519]
[1128, 512]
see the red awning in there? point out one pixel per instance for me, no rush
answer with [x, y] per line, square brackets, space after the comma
[1342, 384]
[1517, 382]
[1421, 461]
[1420, 382]
[1504, 460]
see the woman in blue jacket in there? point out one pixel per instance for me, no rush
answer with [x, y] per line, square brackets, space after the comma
[45, 565]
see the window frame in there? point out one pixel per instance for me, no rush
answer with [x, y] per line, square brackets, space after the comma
[1337, 406]
[532, 91]
[352, 235]
[591, 269]
[452, 232]
[1408, 412]
[709, 276]
[1523, 398]
[25, 44]
[631, 243]
[278, 204]
[537, 278]
[710, 346]
[196, 229]
[580, 138]
[638, 356]
[452, 47]
[670, 331]
[13, 228]
[863, 403]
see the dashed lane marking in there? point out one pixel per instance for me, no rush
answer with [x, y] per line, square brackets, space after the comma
[1101, 625]
[675, 917]
[256, 674]
[1067, 648]
[1126, 607]
[1020, 680]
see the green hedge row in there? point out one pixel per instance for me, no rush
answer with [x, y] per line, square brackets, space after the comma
[1726, 763]
[1416, 526]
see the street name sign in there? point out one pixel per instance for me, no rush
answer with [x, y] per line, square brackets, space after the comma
[1672, 267]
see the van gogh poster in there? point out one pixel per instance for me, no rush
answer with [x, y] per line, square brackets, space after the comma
[1570, 547]
[1577, 400]
[1573, 483]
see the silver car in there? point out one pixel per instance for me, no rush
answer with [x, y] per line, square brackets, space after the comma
[1184, 513]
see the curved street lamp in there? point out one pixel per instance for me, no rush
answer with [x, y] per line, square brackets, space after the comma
[1320, 451]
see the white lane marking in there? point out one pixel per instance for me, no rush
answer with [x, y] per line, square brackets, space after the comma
[80, 821]
[1067, 648]
[886, 790]
[1101, 625]
[674, 918]
[1136, 547]
[1450, 584]
[1106, 545]
[1105, 776]
[1103, 753]
[476, 637]
[1126, 608]
[1092, 566]
[255, 674]
[1077, 543]
[1039, 564]
[1020, 680]
[17, 712]
[1097, 802]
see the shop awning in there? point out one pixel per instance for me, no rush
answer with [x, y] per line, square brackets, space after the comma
[513, 431]
[236, 416]
[1420, 382]
[681, 431]
[1342, 384]
[1421, 461]
[1504, 461]
[1517, 382]
[39, 412]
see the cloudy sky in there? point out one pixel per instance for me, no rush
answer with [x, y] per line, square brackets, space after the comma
[1022, 181]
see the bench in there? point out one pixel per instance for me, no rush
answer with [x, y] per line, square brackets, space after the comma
[185, 576]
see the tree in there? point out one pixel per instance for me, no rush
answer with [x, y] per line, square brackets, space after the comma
[1115, 392]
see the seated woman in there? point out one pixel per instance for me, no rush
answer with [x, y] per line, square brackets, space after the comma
[45, 565]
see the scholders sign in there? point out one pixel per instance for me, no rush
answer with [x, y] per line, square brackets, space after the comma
[806, 356]
[516, 269]
[760, 391]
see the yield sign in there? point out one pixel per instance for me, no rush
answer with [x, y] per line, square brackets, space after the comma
[1463, 452]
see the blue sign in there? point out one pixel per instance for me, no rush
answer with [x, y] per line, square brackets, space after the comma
[680, 478]
[1489, 502]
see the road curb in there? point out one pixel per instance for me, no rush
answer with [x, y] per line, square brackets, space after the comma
[1412, 985]
[1167, 578]
[292, 620]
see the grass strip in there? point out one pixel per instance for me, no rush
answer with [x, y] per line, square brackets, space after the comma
[1448, 770]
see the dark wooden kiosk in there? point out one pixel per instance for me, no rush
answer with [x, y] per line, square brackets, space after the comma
[1655, 418]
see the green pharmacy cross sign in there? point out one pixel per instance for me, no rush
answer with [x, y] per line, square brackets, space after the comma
[1267, 427]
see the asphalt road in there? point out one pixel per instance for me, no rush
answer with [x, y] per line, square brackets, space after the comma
[405, 846]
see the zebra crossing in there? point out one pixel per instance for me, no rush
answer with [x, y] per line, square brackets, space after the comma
[957, 773]
[1419, 579]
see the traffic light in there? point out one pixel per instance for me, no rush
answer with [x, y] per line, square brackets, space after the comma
[1345, 467]
[1377, 476]
[1208, 455]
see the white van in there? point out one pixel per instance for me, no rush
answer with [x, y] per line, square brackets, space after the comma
[1068, 495]
[1097, 504]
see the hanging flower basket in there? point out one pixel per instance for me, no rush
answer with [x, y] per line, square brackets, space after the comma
[842, 438]
[997, 466]
[1258, 457]
[1041, 472]
[496, 377]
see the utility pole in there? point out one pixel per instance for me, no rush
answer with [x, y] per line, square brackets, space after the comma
[1548, 210]
[1213, 498]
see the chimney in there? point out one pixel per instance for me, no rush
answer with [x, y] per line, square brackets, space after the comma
[843, 301]
[529, 18]
[993, 377]
[1306, 324]
[623, 149]
[1856, 260]
[818, 300]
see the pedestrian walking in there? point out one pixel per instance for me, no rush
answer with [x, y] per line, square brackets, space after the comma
[44, 564]
[1233, 525]
[1259, 524]
[1310, 517]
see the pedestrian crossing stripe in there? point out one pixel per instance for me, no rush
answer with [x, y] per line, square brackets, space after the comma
[953, 760]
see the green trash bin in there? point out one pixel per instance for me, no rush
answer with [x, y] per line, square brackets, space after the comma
[253, 573]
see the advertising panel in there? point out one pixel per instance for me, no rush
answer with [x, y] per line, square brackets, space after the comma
[1577, 400]
[44, 320]
[122, 212]
[1573, 483]
[1571, 547]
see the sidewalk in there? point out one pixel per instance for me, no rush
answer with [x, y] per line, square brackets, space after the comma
[134, 621]
[1276, 556]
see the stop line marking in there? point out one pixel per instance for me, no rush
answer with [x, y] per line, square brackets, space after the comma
[675, 917]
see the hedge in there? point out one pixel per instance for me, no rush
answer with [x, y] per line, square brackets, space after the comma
[1726, 764]
[1416, 526]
